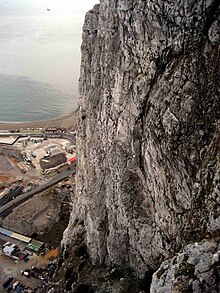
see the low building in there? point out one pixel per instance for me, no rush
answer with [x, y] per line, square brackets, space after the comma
[21, 237]
[9, 249]
[35, 246]
[55, 151]
[70, 148]
[15, 235]
[72, 160]
[55, 129]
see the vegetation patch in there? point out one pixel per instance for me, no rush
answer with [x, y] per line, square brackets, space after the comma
[185, 268]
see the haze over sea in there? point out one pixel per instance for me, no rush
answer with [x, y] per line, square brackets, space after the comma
[39, 58]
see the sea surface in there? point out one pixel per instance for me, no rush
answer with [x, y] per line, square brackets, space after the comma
[39, 61]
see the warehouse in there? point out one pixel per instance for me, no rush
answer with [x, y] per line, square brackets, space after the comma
[15, 235]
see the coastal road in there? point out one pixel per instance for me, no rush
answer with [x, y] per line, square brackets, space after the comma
[70, 136]
[4, 210]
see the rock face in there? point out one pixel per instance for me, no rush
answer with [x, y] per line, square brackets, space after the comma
[148, 139]
[196, 269]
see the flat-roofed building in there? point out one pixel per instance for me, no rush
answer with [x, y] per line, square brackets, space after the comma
[21, 237]
[8, 250]
[35, 246]
[15, 235]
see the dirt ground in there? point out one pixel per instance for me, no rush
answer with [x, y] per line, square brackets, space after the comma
[15, 171]
[39, 148]
[37, 214]
[53, 161]
[7, 172]
[8, 139]
[40, 213]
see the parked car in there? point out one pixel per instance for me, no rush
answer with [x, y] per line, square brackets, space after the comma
[19, 288]
[41, 278]
[26, 273]
[15, 285]
[26, 258]
[36, 269]
[7, 282]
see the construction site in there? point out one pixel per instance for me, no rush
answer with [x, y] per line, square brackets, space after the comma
[28, 159]
[32, 229]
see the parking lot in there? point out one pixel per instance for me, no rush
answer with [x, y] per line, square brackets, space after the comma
[13, 268]
[9, 267]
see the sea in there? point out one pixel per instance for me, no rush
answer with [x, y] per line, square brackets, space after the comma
[39, 60]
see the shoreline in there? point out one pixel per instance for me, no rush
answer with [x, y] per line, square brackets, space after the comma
[67, 121]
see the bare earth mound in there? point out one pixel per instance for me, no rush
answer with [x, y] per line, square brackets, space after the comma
[53, 161]
[36, 214]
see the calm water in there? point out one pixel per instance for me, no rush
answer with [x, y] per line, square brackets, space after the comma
[39, 61]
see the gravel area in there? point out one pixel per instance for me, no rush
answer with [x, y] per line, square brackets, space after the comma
[7, 139]
[35, 215]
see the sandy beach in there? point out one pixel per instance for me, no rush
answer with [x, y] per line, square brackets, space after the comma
[68, 121]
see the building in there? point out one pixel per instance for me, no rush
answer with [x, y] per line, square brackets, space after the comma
[9, 249]
[35, 246]
[72, 160]
[70, 148]
[15, 235]
[55, 130]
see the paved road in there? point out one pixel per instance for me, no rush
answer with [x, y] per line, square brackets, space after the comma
[14, 192]
[70, 136]
[24, 196]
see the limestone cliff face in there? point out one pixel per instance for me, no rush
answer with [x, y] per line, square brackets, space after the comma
[196, 269]
[149, 134]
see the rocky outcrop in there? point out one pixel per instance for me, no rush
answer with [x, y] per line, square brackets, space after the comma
[148, 140]
[196, 269]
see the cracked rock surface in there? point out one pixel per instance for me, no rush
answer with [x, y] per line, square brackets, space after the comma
[196, 269]
[148, 179]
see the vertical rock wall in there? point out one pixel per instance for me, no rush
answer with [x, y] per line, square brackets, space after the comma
[148, 134]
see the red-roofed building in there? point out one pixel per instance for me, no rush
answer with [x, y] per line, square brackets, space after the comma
[72, 160]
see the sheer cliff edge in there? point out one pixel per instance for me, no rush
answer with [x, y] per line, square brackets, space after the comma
[148, 179]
